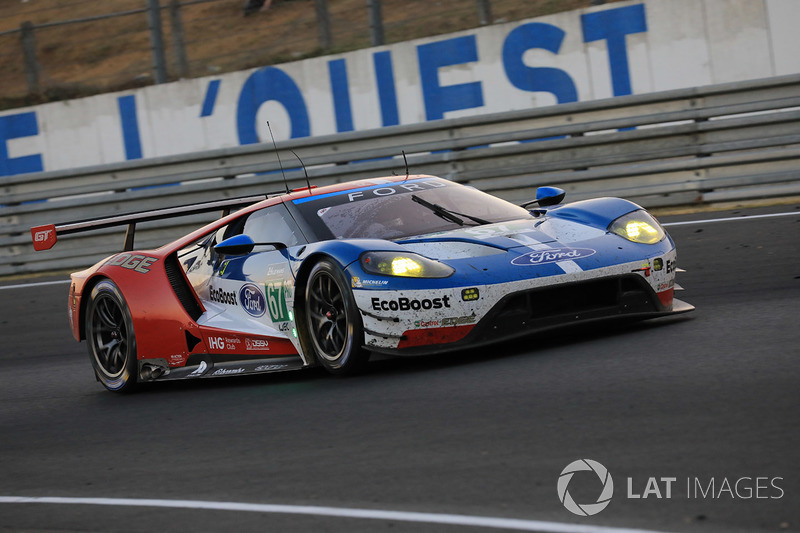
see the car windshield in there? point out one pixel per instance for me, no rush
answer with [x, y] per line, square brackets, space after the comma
[391, 212]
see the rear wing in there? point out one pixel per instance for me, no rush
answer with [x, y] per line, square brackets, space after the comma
[44, 237]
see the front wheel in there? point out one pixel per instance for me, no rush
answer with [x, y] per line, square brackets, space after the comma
[110, 338]
[333, 322]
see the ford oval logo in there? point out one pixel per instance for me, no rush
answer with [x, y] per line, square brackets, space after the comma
[552, 255]
[252, 300]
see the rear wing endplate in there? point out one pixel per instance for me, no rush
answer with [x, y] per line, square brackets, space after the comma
[44, 237]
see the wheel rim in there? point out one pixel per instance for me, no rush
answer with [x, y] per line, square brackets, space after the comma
[328, 316]
[109, 336]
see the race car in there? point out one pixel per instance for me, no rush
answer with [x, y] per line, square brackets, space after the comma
[403, 265]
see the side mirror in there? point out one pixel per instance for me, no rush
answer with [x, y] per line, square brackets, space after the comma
[550, 196]
[546, 196]
[236, 245]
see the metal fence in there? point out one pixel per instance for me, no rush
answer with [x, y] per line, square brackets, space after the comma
[58, 49]
[688, 146]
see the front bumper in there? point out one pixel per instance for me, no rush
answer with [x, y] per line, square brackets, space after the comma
[510, 310]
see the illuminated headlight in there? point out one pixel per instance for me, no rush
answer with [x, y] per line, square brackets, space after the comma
[638, 226]
[406, 265]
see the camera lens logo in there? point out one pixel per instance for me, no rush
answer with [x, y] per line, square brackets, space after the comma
[585, 509]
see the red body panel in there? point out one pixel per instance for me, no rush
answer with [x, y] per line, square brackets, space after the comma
[424, 337]
[159, 319]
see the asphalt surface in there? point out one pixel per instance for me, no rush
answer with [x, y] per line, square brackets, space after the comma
[710, 397]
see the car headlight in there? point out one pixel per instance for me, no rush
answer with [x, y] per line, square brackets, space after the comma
[638, 226]
[403, 264]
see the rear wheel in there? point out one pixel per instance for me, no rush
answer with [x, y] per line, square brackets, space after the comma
[333, 322]
[110, 338]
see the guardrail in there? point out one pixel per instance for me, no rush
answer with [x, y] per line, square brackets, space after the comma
[686, 146]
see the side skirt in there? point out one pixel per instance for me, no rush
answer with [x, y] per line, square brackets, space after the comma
[158, 369]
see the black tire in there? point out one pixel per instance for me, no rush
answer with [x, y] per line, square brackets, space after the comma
[333, 321]
[110, 338]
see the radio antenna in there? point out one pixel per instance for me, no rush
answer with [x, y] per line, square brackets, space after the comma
[304, 171]
[279, 158]
[406, 161]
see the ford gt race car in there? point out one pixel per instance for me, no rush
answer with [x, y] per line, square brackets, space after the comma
[325, 276]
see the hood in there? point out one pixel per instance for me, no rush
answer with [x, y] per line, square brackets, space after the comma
[491, 239]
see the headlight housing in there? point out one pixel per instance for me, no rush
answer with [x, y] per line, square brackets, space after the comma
[404, 265]
[638, 226]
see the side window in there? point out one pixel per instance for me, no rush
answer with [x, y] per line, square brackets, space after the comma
[199, 259]
[273, 224]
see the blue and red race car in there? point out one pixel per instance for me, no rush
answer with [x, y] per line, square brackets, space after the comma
[325, 276]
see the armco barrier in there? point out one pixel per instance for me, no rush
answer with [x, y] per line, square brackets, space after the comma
[687, 146]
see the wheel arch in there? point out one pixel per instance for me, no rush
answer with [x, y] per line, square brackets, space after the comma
[301, 279]
[88, 287]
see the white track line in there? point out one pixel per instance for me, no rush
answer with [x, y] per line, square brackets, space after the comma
[729, 219]
[37, 284]
[338, 512]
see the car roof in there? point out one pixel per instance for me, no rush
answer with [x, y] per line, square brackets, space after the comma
[296, 194]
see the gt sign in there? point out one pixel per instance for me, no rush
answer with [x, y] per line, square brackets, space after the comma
[44, 237]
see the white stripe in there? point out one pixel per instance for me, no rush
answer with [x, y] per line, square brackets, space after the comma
[338, 512]
[729, 219]
[38, 284]
[569, 267]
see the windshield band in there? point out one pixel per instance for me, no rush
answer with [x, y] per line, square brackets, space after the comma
[363, 193]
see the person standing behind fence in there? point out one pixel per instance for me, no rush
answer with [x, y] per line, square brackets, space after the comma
[251, 6]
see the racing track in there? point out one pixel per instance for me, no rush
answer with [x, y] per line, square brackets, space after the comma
[715, 395]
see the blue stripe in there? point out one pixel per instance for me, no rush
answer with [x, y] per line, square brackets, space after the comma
[210, 99]
[341, 96]
[386, 91]
[130, 127]
[348, 191]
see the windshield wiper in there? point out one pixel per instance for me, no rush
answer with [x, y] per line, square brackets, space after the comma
[447, 214]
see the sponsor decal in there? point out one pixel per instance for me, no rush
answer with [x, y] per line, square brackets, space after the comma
[268, 368]
[469, 295]
[137, 263]
[221, 296]
[552, 255]
[359, 283]
[227, 371]
[276, 270]
[445, 322]
[671, 266]
[645, 269]
[200, 370]
[459, 320]
[256, 344]
[276, 302]
[406, 304]
[665, 286]
[223, 343]
[224, 266]
[252, 300]
[377, 192]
